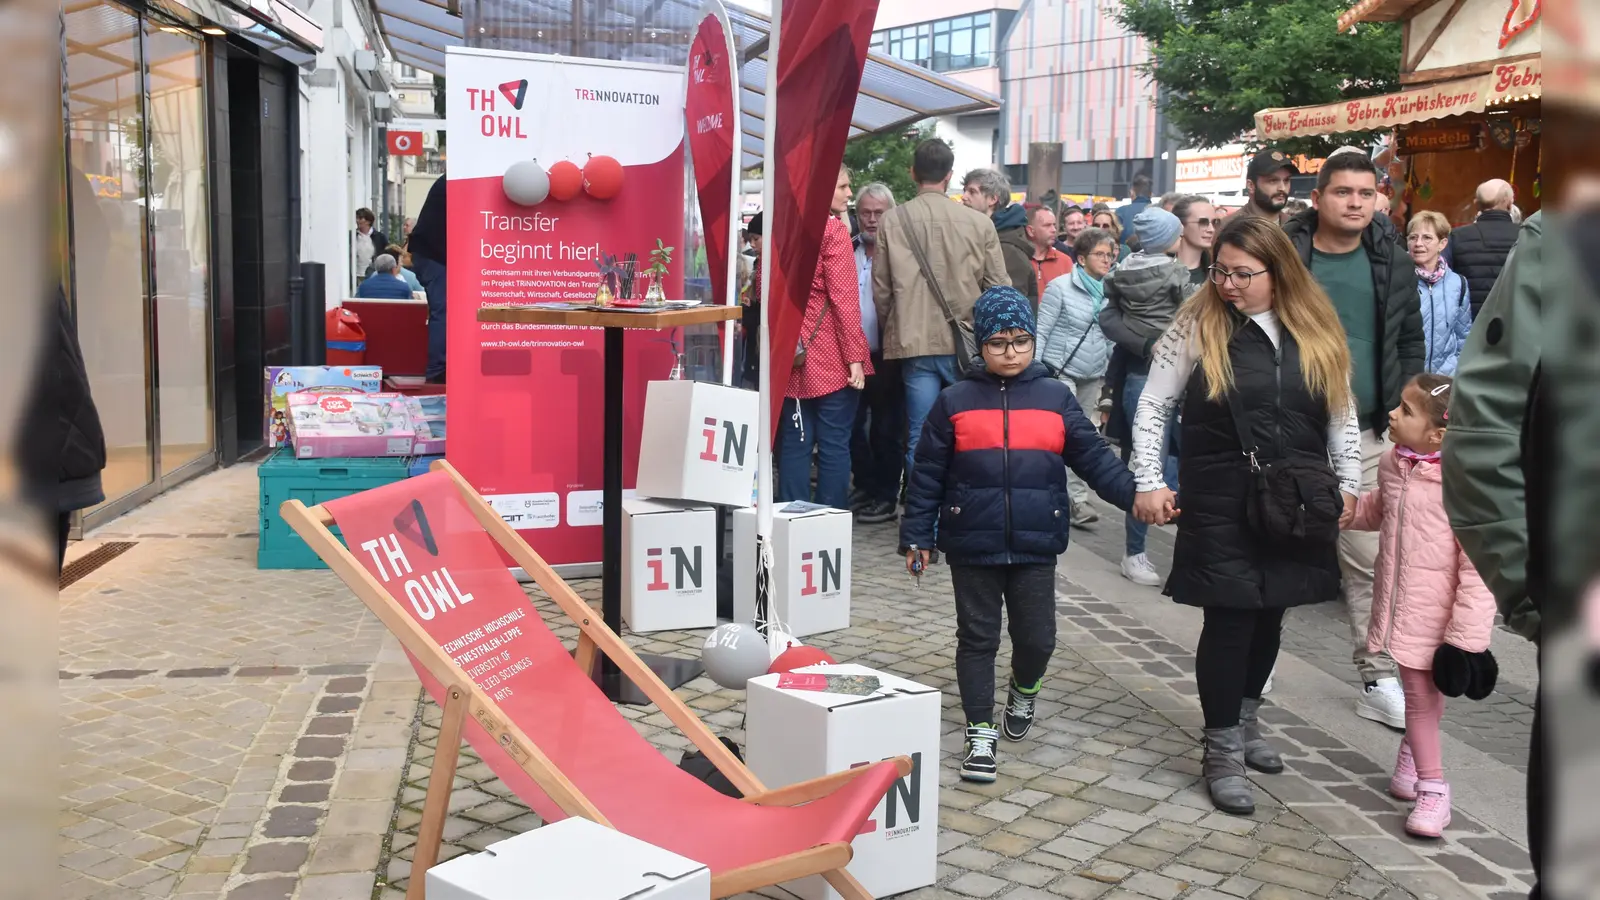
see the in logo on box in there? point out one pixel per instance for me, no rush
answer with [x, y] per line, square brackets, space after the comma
[686, 574]
[832, 570]
[735, 438]
[905, 791]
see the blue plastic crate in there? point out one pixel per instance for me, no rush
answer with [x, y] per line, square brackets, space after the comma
[312, 481]
[419, 465]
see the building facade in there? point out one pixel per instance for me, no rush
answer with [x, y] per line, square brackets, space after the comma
[190, 147]
[1067, 73]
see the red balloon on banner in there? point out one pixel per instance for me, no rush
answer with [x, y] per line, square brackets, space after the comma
[799, 658]
[566, 181]
[602, 177]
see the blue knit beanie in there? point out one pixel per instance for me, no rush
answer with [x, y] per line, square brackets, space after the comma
[998, 309]
[1157, 229]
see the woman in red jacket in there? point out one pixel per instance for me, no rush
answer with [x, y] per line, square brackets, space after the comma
[831, 367]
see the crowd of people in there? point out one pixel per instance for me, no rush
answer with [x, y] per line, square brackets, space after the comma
[1291, 368]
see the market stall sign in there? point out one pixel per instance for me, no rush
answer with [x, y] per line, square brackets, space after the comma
[1462, 96]
[1439, 139]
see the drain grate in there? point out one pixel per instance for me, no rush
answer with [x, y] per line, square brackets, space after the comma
[92, 560]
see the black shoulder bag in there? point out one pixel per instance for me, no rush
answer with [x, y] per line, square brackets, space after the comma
[1287, 502]
[960, 332]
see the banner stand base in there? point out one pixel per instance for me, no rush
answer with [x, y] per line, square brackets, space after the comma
[672, 671]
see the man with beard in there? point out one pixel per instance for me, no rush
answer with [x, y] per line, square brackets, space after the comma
[1267, 183]
[877, 452]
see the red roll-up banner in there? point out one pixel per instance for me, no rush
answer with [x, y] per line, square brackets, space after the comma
[712, 121]
[822, 50]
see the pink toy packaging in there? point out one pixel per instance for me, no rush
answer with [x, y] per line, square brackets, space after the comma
[281, 381]
[324, 424]
[427, 417]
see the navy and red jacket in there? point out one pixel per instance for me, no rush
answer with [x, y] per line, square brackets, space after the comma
[988, 475]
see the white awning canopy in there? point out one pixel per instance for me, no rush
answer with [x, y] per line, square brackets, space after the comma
[893, 93]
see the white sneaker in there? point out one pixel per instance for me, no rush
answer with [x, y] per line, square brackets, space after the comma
[1383, 702]
[1267, 688]
[1138, 570]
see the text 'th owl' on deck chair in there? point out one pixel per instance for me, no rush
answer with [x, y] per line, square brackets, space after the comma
[422, 556]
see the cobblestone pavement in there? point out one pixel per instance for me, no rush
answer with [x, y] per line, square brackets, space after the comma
[225, 732]
[1499, 726]
[243, 734]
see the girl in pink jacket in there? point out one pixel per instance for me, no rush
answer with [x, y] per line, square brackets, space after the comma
[1425, 591]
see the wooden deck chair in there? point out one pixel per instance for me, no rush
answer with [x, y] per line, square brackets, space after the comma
[422, 556]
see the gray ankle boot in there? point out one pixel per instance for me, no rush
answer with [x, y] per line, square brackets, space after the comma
[1258, 754]
[1224, 771]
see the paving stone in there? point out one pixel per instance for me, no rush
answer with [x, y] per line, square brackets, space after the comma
[291, 821]
[1468, 869]
[1499, 851]
[1270, 873]
[346, 685]
[975, 884]
[281, 856]
[312, 770]
[1074, 887]
[264, 889]
[304, 793]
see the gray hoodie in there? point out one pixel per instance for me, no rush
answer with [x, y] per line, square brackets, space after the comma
[1142, 296]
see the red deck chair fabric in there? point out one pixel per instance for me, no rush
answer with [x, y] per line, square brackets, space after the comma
[424, 545]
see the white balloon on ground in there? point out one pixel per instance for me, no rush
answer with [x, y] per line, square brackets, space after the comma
[526, 183]
[734, 653]
[780, 641]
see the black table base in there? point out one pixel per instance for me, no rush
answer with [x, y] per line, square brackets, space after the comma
[673, 671]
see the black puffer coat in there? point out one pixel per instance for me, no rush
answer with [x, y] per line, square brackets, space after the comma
[1218, 561]
[1478, 252]
[989, 475]
[1402, 346]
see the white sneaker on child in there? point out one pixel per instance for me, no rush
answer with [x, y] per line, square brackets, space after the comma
[1139, 570]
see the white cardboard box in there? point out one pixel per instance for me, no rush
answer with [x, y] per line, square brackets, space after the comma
[573, 859]
[698, 443]
[811, 558]
[793, 736]
[669, 553]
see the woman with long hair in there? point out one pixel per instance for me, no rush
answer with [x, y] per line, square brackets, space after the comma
[1261, 361]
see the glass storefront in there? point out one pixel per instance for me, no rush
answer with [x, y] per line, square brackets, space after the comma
[138, 195]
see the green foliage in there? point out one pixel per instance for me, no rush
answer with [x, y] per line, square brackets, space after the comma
[1220, 61]
[660, 258]
[885, 157]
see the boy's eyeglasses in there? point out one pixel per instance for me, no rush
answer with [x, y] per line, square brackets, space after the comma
[1241, 278]
[998, 346]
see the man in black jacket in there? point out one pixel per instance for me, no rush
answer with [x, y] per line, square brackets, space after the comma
[1478, 251]
[1373, 285]
[427, 247]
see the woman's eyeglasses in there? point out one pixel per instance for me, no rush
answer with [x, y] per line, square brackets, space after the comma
[1103, 254]
[1240, 279]
[997, 347]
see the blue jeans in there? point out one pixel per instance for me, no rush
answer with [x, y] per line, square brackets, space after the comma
[925, 377]
[431, 274]
[824, 423]
[1135, 530]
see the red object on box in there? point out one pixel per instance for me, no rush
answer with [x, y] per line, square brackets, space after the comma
[798, 658]
[347, 341]
[397, 334]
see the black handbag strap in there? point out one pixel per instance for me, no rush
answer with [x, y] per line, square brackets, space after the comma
[1241, 426]
[921, 254]
[1070, 356]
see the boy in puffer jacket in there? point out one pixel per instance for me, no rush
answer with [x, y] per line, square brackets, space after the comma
[1430, 609]
[989, 487]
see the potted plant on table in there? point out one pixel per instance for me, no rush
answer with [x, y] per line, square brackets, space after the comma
[609, 271]
[660, 258]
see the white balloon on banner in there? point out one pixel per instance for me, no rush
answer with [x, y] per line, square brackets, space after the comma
[526, 183]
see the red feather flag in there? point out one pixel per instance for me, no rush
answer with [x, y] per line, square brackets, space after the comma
[822, 50]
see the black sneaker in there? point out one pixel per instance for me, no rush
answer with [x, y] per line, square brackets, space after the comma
[1018, 717]
[979, 763]
[877, 512]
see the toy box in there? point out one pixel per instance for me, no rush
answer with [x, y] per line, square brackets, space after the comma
[281, 381]
[427, 418]
[325, 424]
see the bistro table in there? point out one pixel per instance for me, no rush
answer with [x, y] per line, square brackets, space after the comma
[675, 672]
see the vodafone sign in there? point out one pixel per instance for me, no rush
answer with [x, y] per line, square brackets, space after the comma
[405, 143]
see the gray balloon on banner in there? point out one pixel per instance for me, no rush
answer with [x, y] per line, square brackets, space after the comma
[526, 183]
